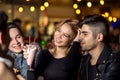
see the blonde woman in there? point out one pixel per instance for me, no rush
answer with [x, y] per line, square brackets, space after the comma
[62, 61]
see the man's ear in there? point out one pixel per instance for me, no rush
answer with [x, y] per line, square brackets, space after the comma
[0, 37]
[100, 37]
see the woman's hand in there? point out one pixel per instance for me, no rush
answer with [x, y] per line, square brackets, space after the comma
[29, 48]
[77, 38]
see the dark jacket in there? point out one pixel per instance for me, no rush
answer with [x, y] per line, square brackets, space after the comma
[20, 62]
[108, 66]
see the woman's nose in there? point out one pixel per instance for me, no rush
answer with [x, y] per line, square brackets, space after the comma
[60, 35]
[16, 41]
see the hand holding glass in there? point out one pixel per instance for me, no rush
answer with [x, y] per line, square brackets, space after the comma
[31, 51]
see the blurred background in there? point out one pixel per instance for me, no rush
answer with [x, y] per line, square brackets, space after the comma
[37, 18]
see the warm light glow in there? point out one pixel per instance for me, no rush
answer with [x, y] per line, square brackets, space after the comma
[42, 8]
[102, 2]
[28, 26]
[75, 6]
[103, 15]
[110, 18]
[20, 9]
[89, 4]
[79, 0]
[32, 8]
[106, 14]
[46, 4]
[43, 20]
[83, 17]
[9, 11]
[78, 11]
[27, 0]
[114, 19]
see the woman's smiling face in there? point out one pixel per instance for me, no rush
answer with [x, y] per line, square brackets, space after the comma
[17, 42]
[63, 35]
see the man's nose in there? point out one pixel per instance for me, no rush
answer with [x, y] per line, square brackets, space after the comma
[81, 37]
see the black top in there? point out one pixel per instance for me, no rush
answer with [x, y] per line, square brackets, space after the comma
[65, 68]
[92, 72]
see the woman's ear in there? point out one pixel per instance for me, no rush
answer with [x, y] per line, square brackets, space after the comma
[100, 37]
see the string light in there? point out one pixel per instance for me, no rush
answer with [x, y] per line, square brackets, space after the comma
[114, 19]
[79, 0]
[78, 11]
[106, 14]
[46, 4]
[103, 15]
[75, 6]
[32, 8]
[20, 9]
[89, 4]
[102, 2]
[42, 8]
[27, 0]
[110, 18]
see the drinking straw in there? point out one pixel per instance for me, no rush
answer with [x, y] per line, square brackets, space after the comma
[29, 41]
[34, 40]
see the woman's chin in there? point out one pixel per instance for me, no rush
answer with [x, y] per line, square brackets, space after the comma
[18, 50]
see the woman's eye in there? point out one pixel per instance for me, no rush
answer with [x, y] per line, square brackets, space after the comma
[66, 35]
[19, 36]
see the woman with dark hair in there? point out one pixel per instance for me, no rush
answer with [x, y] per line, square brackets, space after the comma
[16, 47]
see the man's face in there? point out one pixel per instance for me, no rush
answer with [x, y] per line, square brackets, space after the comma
[88, 41]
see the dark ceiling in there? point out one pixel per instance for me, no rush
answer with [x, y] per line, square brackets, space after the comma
[55, 1]
[60, 2]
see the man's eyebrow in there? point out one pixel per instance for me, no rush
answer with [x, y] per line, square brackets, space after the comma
[84, 32]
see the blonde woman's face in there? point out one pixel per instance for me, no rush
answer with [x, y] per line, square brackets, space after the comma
[63, 36]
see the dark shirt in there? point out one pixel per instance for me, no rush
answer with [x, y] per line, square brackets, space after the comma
[65, 68]
[92, 72]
